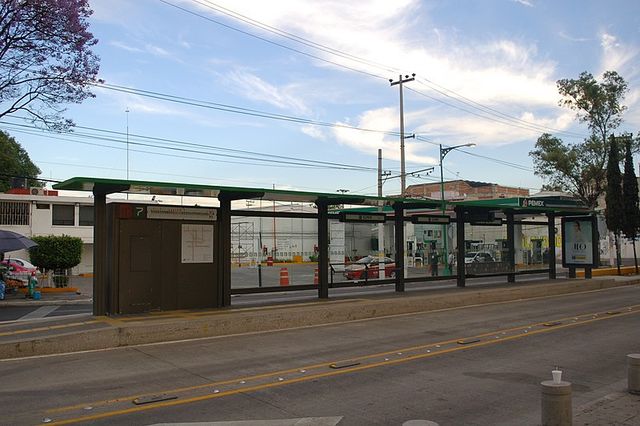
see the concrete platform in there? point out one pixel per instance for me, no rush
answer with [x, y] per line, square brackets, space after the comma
[54, 336]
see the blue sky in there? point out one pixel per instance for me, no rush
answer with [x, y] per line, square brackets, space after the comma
[485, 73]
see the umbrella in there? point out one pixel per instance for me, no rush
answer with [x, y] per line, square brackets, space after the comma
[10, 241]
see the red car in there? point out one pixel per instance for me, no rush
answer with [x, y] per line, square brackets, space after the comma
[369, 267]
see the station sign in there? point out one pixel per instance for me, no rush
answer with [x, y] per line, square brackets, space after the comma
[137, 211]
[363, 217]
[531, 202]
[431, 219]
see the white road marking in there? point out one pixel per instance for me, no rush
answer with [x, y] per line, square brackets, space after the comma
[41, 312]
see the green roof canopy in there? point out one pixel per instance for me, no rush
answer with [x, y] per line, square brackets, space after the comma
[213, 191]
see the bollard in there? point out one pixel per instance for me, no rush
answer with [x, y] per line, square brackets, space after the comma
[556, 404]
[633, 370]
[259, 274]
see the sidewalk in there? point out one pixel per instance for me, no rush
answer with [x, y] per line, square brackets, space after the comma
[80, 290]
[619, 408]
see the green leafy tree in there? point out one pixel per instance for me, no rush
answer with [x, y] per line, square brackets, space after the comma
[581, 168]
[614, 212]
[15, 162]
[57, 253]
[631, 200]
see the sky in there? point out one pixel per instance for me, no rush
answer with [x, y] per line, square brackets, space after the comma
[296, 95]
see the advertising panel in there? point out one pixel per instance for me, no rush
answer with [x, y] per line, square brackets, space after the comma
[578, 248]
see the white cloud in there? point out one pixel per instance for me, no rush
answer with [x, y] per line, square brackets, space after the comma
[501, 73]
[124, 46]
[572, 38]
[314, 131]
[156, 50]
[618, 56]
[383, 119]
[253, 87]
[524, 2]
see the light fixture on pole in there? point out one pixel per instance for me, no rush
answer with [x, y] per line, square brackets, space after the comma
[406, 79]
[443, 153]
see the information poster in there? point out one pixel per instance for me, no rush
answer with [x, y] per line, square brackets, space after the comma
[336, 245]
[197, 243]
[577, 241]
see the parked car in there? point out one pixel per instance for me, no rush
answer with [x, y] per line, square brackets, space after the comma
[369, 267]
[19, 266]
[478, 257]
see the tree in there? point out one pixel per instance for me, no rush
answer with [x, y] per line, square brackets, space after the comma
[45, 58]
[631, 222]
[14, 163]
[57, 253]
[615, 209]
[580, 168]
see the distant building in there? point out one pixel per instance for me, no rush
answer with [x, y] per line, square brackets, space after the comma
[457, 190]
[37, 211]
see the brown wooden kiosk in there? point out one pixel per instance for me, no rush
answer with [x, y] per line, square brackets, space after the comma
[160, 257]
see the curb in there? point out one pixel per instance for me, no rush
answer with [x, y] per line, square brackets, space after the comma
[145, 330]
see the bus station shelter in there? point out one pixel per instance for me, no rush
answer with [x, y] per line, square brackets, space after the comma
[150, 256]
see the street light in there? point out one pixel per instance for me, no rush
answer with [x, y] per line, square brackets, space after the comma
[443, 153]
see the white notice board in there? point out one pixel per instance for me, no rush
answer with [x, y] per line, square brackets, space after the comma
[197, 243]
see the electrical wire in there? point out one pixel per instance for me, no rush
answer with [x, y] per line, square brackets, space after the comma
[234, 109]
[505, 119]
[227, 152]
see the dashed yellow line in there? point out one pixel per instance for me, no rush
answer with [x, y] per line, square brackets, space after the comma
[474, 342]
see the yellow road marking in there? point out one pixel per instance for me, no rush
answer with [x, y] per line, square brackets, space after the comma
[525, 332]
[50, 327]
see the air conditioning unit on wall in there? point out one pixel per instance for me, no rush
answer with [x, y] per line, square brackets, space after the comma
[37, 191]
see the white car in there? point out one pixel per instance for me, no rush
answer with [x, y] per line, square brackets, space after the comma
[478, 257]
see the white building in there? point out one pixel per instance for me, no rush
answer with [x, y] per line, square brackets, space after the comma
[46, 213]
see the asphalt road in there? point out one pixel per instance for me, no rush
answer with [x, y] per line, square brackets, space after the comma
[35, 312]
[473, 366]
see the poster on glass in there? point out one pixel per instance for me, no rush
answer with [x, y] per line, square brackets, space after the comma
[577, 241]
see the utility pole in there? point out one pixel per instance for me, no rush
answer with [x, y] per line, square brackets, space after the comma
[380, 225]
[403, 178]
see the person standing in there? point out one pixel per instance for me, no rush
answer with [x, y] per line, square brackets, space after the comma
[434, 263]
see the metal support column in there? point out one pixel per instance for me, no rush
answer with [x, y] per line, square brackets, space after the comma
[511, 247]
[460, 250]
[100, 254]
[551, 235]
[323, 245]
[399, 240]
[224, 253]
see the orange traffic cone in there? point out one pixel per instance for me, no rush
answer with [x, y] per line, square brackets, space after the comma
[284, 276]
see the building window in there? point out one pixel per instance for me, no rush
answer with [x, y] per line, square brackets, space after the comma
[86, 216]
[63, 214]
[40, 206]
[14, 213]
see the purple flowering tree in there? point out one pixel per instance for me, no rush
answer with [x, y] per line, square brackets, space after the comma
[45, 58]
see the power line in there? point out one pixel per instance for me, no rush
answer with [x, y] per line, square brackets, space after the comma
[473, 154]
[269, 41]
[234, 109]
[249, 155]
[506, 119]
